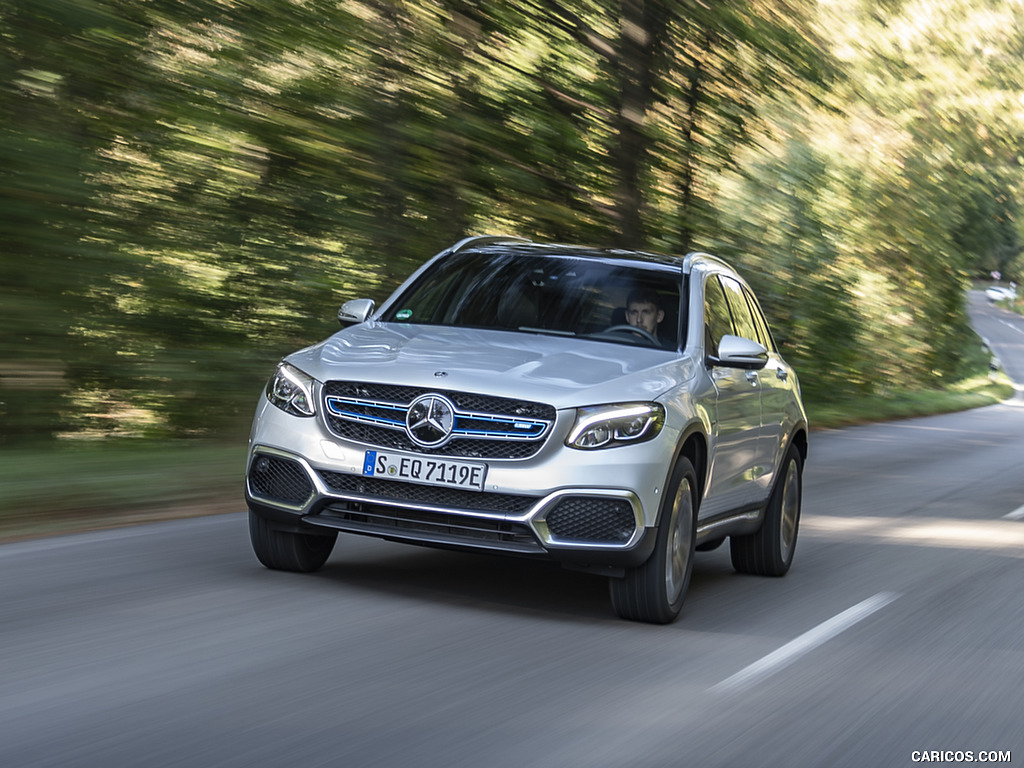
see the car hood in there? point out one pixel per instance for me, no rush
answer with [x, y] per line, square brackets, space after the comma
[562, 371]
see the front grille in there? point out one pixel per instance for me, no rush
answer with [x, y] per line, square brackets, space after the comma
[273, 477]
[486, 427]
[592, 519]
[381, 437]
[428, 527]
[466, 401]
[434, 496]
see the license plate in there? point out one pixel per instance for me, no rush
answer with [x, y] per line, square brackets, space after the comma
[426, 471]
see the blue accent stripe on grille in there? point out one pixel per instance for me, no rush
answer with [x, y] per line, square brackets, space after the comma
[336, 405]
[392, 415]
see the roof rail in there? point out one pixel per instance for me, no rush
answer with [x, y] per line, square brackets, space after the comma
[484, 240]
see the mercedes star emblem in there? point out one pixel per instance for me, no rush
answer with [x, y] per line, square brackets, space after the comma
[430, 420]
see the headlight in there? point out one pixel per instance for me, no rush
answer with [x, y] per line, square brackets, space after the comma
[292, 391]
[603, 426]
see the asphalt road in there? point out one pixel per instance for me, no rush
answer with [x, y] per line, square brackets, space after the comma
[900, 629]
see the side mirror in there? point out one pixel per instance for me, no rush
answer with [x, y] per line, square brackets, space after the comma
[355, 311]
[737, 352]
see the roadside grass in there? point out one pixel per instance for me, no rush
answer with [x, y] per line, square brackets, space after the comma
[973, 392]
[83, 486]
[74, 487]
[1014, 305]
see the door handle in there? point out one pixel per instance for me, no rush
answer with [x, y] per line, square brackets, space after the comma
[782, 374]
[752, 377]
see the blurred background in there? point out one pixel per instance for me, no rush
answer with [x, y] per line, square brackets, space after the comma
[189, 190]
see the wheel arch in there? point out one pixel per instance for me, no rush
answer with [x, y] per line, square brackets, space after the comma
[799, 439]
[694, 445]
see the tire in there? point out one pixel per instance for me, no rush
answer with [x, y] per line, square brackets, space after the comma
[654, 592]
[287, 551]
[769, 552]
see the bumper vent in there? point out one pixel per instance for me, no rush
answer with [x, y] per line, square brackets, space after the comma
[284, 480]
[448, 498]
[420, 526]
[591, 519]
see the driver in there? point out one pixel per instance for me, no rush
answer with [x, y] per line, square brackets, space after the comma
[643, 311]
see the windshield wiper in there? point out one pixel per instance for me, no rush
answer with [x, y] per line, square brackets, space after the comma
[545, 331]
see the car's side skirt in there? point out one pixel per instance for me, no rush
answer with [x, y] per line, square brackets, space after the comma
[741, 522]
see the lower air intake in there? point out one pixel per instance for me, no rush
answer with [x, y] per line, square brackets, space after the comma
[591, 519]
[277, 479]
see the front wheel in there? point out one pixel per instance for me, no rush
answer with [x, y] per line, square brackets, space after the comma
[654, 592]
[769, 552]
[287, 551]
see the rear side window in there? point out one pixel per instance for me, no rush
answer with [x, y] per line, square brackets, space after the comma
[764, 335]
[742, 320]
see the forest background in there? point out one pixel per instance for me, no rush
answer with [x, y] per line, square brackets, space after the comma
[189, 190]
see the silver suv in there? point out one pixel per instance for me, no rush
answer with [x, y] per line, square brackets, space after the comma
[612, 410]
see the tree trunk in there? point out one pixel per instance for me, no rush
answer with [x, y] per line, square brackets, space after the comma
[688, 176]
[642, 29]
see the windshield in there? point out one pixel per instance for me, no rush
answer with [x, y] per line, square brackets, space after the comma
[630, 303]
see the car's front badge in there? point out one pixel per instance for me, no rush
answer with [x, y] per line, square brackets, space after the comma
[430, 420]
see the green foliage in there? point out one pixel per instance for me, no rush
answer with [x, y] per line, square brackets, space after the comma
[189, 189]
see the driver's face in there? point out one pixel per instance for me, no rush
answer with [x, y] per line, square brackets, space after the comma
[644, 315]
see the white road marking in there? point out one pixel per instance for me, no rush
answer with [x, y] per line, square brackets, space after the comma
[1017, 514]
[807, 642]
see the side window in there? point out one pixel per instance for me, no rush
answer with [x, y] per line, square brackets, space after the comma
[717, 320]
[742, 319]
[764, 335]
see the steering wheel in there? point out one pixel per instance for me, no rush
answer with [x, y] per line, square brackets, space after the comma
[647, 336]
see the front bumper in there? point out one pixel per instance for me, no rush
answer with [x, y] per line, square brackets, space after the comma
[584, 526]
[581, 507]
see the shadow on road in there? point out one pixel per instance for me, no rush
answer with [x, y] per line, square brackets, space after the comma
[504, 584]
